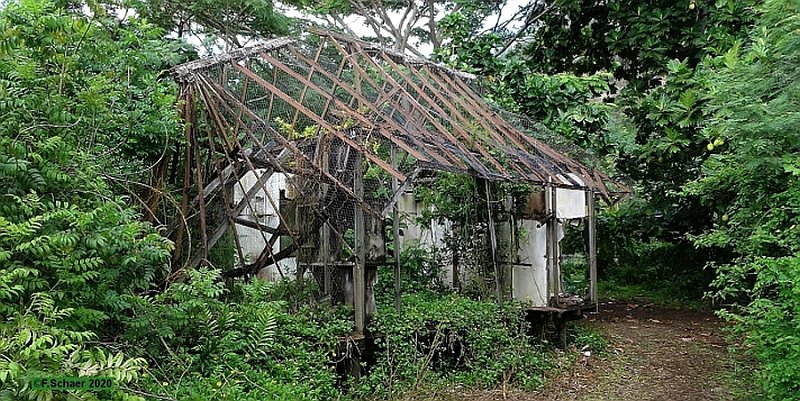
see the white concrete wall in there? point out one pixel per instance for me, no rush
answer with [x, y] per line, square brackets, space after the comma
[570, 203]
[264, 212]
[529, 273]
[428, 238]
[529, 276]
[529, 259]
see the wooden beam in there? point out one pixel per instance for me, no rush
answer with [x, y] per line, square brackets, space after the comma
[388, 120]
[498, 279]
[199, 177]
[239, 207]
[453, 115]
[186, 71]
[223, 94]
[550, 221]
[359, 268]
[396, 234]
[397, 193]
[323, 156]
[592, 248]
[317, 119]
[354, 113]
[189, 121]
[256, 225]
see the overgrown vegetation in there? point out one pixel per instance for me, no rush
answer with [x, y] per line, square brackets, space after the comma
[696, 102]
[445, 339]
[72, 251]
[755, 187]
[699, 112]
[246, 343]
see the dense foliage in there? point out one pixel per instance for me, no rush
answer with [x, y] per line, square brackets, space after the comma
[688, 99]
[71, 250]
[702, 117]
[451, 339]
[628, 81]
[754, 185]
[82, 279]
[232, 21]
[634, 40]
[243, 343]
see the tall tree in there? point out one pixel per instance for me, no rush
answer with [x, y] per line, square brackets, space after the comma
[405, 25]
[634, 39]
[235, 22]
[76, 93]
[656, 53]
[753, 187]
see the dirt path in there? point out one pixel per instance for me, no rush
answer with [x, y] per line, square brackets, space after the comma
[656, 354]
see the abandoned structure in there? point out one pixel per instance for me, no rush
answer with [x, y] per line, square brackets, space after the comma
[305, 150]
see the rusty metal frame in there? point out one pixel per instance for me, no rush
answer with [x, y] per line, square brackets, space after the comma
[426, 110]
[362, 98]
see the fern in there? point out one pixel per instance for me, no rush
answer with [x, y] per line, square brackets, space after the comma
[262, 333]
[33, 344]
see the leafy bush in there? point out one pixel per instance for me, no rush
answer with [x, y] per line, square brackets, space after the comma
[71, 251]
[588, 339]
[754, 185]
[452, 339]
[769, 322]
[639, 246]
[243, 344]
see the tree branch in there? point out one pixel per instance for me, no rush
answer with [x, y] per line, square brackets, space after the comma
[528, 22]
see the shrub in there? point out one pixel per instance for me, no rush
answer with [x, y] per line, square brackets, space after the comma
[237, 345]
[452, 339]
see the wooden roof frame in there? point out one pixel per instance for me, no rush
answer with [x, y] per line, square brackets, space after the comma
[424, 109]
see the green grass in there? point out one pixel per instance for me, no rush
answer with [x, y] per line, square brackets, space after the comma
[588, 337]
[661, 295]
[740, 378]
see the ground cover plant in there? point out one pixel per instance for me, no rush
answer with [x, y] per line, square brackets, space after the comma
[696, 102]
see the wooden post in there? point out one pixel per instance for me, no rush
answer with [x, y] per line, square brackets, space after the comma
[326, 256]
[512, 248]
[359, 267]
[592, 248]
[498, 279]
[456, 227]
[189, 124]
[396, 234]
[301, 254]
[554, 240]
[561, 325]
[326, 228]
[550, 211]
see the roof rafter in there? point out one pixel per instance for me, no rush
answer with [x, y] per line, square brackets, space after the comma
[370, 99]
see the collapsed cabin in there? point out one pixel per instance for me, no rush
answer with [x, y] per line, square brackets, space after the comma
[310, 155]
